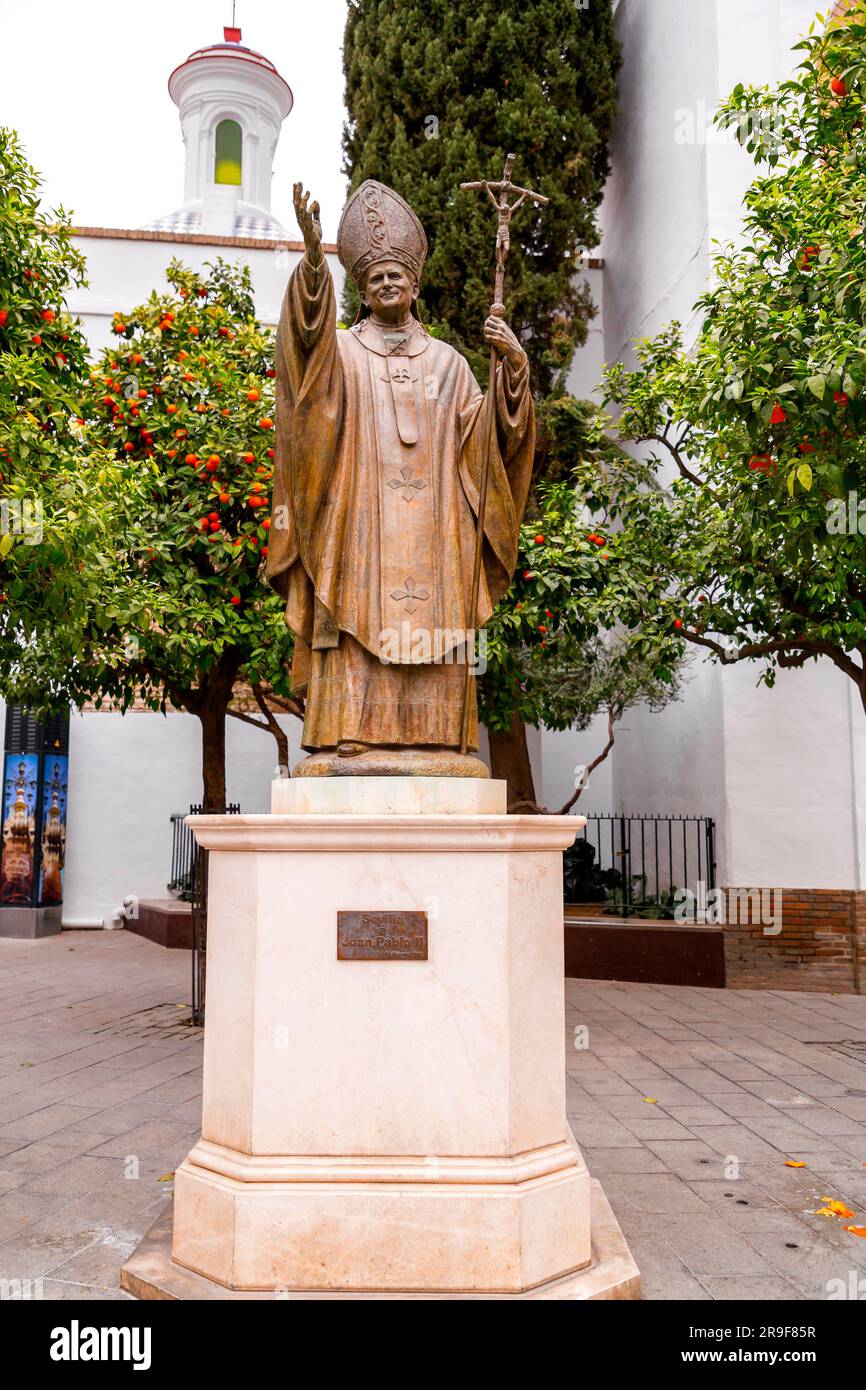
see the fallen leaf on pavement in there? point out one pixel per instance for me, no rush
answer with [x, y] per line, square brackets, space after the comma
[834, 1208]
[857, 1231]
[795, 1163]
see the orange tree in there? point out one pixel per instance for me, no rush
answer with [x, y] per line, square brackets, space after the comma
[57, 556]
[186, 396]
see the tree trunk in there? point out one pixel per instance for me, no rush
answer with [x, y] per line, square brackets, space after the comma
[280, 735]
[612, 717]
[212, 716]
[509, 760]
[282, 741]
[211, 704]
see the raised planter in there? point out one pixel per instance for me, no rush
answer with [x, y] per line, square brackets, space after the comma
[641, 951]
[166, 921]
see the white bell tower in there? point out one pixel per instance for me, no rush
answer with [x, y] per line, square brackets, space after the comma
[232, 103]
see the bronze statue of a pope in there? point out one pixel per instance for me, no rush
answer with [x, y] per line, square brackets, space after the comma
[382, 439]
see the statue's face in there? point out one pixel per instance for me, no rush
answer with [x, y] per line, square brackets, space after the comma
[389, 291]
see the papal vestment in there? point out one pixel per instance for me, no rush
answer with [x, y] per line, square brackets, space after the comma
[380, 443]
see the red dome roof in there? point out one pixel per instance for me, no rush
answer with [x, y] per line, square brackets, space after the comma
[232, 48]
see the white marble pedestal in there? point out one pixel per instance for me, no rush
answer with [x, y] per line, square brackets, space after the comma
[387, 1126]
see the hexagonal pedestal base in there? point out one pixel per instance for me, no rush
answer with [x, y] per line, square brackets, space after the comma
[442, 1224]
[150, 1273]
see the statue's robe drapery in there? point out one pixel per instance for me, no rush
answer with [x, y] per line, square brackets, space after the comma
[379, 452]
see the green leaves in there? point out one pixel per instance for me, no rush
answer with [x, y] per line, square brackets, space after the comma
[818, 385]
[802, 474]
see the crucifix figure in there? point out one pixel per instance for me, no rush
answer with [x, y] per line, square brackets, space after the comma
[399, 490]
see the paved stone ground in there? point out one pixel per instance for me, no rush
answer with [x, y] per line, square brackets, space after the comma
[686, 1102]
[100, 1080]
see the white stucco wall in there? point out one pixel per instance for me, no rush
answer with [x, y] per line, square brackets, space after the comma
[857, 719]
[123, 271]
[561, 753]
[585, 373]
[654, 217]
[127, 774]
[791, 816]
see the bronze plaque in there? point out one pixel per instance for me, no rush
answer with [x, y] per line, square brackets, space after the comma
[381, 936]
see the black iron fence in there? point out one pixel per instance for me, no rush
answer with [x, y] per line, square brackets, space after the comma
[633, 865]
[189, 883]
[183, 858]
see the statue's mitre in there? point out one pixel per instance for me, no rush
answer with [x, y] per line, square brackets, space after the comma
[378, 225]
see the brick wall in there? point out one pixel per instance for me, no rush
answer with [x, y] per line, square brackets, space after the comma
[821, 947]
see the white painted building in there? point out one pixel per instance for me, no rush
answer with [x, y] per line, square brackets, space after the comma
[232, 103]
[783, 772]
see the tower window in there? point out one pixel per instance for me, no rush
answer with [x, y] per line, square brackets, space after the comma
[229, 153]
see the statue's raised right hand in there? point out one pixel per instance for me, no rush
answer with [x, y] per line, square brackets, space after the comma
[308, 221]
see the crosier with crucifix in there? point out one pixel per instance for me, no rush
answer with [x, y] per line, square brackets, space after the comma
[498, 195]
[399, 490]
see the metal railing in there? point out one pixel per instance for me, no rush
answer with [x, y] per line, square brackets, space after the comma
[183, 858]
[189, 883]
[633, 865]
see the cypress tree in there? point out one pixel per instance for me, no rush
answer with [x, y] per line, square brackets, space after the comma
[437, 94]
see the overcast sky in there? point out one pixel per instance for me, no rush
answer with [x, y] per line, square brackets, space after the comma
[85, 86]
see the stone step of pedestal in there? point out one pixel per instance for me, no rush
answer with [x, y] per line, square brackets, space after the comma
[389, 796]
[151, 1273]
